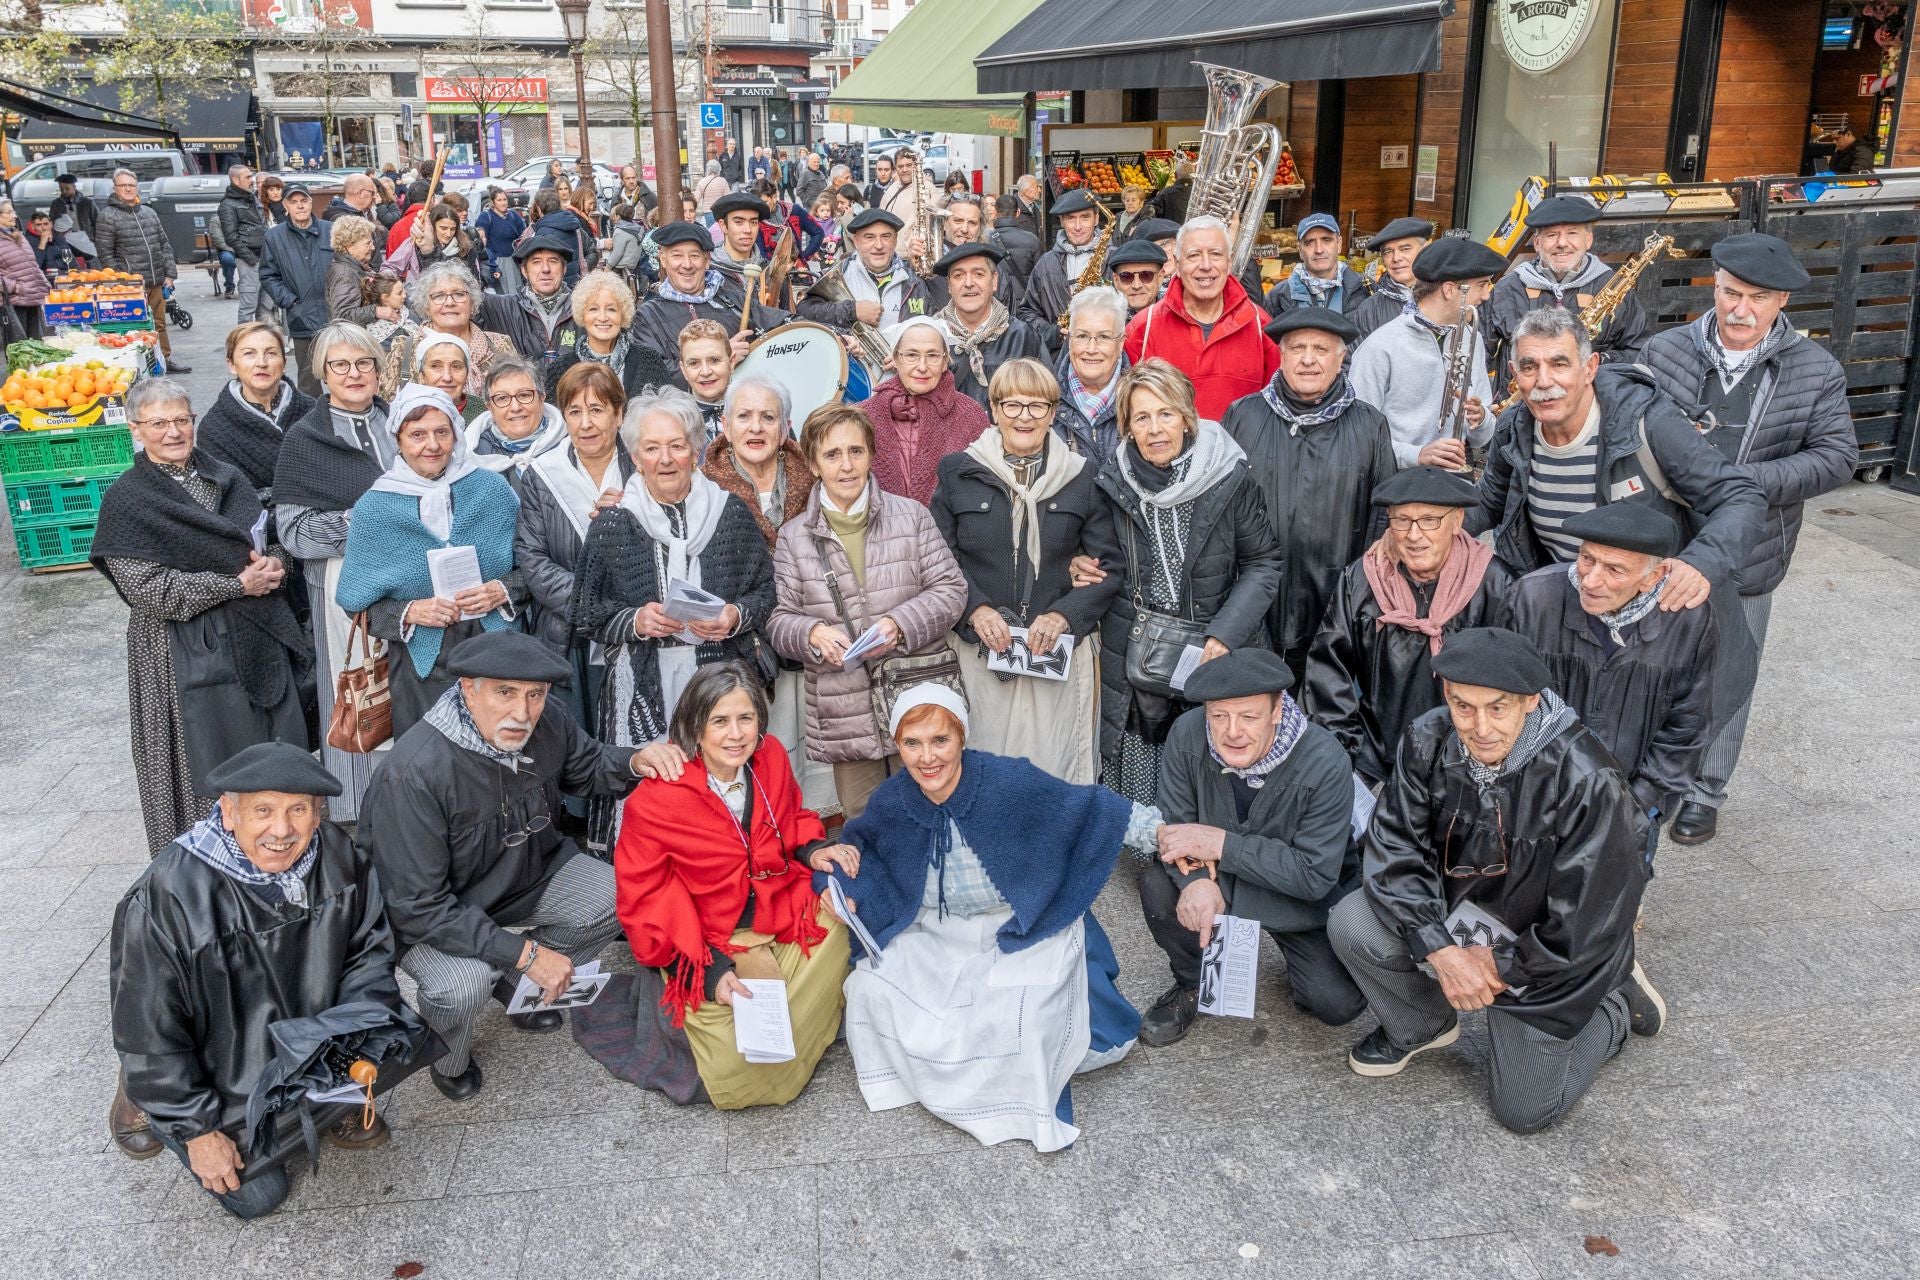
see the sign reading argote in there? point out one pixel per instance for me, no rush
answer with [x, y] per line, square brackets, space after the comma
[1542, 34]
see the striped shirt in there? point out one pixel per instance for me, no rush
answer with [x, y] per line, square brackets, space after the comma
[1564, 482]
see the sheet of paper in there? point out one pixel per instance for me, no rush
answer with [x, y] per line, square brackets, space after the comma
[1230, 967]
[1474, 926]
[1363, 806]
[844, 909]
[453, 570]
[1190, 659]
[258, 534]
[1021, 660]
[348, 1092]
[588, 982]
[869, 640]
[762, 1026]
[688, 603]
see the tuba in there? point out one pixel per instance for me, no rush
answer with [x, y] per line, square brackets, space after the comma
[874, 351]
[1237, 156]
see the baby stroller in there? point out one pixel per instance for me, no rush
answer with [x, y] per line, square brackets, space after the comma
[177, 316]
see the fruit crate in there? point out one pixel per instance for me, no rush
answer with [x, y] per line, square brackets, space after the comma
[36, 502]
[106, 449]
[54, 546]
[1063, 173]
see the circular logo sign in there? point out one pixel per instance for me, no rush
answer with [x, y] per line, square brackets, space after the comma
[1542, 34]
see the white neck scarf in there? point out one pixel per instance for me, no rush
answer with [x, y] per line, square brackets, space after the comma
[1214, 455]
[572, 486]
[1061, 465]
[703, 505]
[861, 284]
[552, 433]
[436, 494]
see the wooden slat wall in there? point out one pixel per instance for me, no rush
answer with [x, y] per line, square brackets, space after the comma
[1906, 138]
[1442, 104]
[1763, 88]
[1380, 113]
[1301, 131]
[1646, 60]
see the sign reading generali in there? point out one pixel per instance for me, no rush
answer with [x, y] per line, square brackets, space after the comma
[465, 89]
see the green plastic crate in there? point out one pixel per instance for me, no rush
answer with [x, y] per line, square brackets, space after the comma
[106, 449]
[56, 501]
[51, 546]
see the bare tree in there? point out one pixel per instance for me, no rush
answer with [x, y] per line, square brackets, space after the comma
[332, 47]
[168, 54]
[485, 68]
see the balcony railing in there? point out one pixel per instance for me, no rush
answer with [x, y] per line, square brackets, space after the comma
[764, 23]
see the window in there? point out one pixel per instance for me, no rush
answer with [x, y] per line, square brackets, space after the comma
[39, 173]
[406, 84]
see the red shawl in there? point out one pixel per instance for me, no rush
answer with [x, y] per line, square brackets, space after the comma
[912, 433]
[1459, 579]
[682, 872]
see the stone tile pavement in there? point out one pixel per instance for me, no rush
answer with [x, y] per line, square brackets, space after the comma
[1768, 1133]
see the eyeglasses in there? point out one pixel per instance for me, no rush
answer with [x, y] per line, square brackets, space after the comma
[1026, 408]
[458, 295]
[365, 364]
[1428, 524]
[165, 424]
[525, 399]
[1080, 338]
[533, 828]
[1475, 873]
[1137, 277]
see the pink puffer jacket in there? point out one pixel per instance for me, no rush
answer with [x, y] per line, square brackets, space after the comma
[25, 283]
[912, 578]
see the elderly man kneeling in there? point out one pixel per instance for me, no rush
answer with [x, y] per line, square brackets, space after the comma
[260, 913]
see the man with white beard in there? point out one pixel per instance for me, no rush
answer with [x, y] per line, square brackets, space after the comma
[459, 824]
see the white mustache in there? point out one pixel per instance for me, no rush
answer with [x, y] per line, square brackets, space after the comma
[1546, 395]
[1743, 322]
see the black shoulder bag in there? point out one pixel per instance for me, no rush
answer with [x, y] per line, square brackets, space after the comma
[1158, 639]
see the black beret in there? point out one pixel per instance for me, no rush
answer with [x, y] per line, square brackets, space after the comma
[971, 249]
[1630, 526]
[1075, 201]
[1763, 261]
[1491, 657]
[1561, 211]
[737, 202]
[1138, 251]
[507, 655]
[273, 766]
[1400, 229]
[537, 243]
[1457, 258]
[1239, 674]
[1434, 486]
[1321, 318]
[870, 217]
[1154, 229]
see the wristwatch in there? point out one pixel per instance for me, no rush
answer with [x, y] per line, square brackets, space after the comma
[533, 953]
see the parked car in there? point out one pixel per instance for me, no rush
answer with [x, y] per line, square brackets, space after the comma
[522, 181]
[35, 184]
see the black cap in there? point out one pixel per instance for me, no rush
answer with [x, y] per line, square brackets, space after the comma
[295, 189]
[1434, 486]
[537, 243]
[1154, 229]
[1490, 657]
[1562, 211]
[1138, 251]
[1763, 261]
[1630, 526]
[1457, 258]
[738, 202]
[273, 766]
[1239, 674]
[971, 249]
[1075, 201]
[1400, 229]
[507, 655]
[871, 217]
[684, 233]
[1324, 319]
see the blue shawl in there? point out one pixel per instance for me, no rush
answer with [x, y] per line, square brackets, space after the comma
[386, 557]
[1047, 845]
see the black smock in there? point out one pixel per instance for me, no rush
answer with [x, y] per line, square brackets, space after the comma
[202, 964]
[436, 817]
[1566, 824]
[657, 321]
[1366, 683]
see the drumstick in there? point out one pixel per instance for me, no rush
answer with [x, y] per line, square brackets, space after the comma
[751, 276]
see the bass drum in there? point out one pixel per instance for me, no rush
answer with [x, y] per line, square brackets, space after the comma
[807, 359]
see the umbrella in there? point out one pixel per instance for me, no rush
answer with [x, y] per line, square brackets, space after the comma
[361, 1042]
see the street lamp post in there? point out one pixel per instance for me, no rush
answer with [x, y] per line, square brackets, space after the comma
[573, 15]
[666, 130]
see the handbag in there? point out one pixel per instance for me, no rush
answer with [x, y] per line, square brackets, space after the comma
[891, 677]
[362, 702]
[1158, 640]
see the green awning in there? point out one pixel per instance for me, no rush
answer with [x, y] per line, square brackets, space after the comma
[921, 76]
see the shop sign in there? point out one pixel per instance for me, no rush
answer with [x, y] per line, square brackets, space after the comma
[465, 89]
[1541, 35]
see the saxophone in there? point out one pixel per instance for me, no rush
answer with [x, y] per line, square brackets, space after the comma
[926, 224]
[1596, 313]
[1096, 265]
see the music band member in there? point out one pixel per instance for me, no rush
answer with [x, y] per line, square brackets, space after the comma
[690, 289]
[982, 333]
[1563, 272]
[961, 223]
[882, 288]
[1138, 270]
[1776, 406]
[1398, 244]
[1051, 285]
[742, 218]
[1401, 369]
[1322, 278]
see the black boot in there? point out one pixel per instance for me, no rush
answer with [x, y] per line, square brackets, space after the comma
[1171, 1016]
[461, 1087]
[1694, 824]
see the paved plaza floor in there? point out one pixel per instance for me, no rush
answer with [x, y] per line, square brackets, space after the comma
[1770, 1132]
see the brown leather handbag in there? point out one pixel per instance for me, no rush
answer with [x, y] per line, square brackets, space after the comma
[362, 703]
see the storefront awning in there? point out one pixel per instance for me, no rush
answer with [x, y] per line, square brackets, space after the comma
[921, 76]
[58, 111]
[216, 120]
[1139, 44]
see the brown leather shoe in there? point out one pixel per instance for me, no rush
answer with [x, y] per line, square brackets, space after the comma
[349, 1136]
[129, 1126]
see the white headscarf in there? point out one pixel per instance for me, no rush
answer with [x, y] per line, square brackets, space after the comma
[435, 495]
[895, 334]
[928, 694]
[431, 338]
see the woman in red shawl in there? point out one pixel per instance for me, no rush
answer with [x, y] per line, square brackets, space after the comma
[919, 416]
[713, 868]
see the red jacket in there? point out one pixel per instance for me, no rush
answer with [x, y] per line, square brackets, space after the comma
[682, 873]
[401, 229]
[1236, 359]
